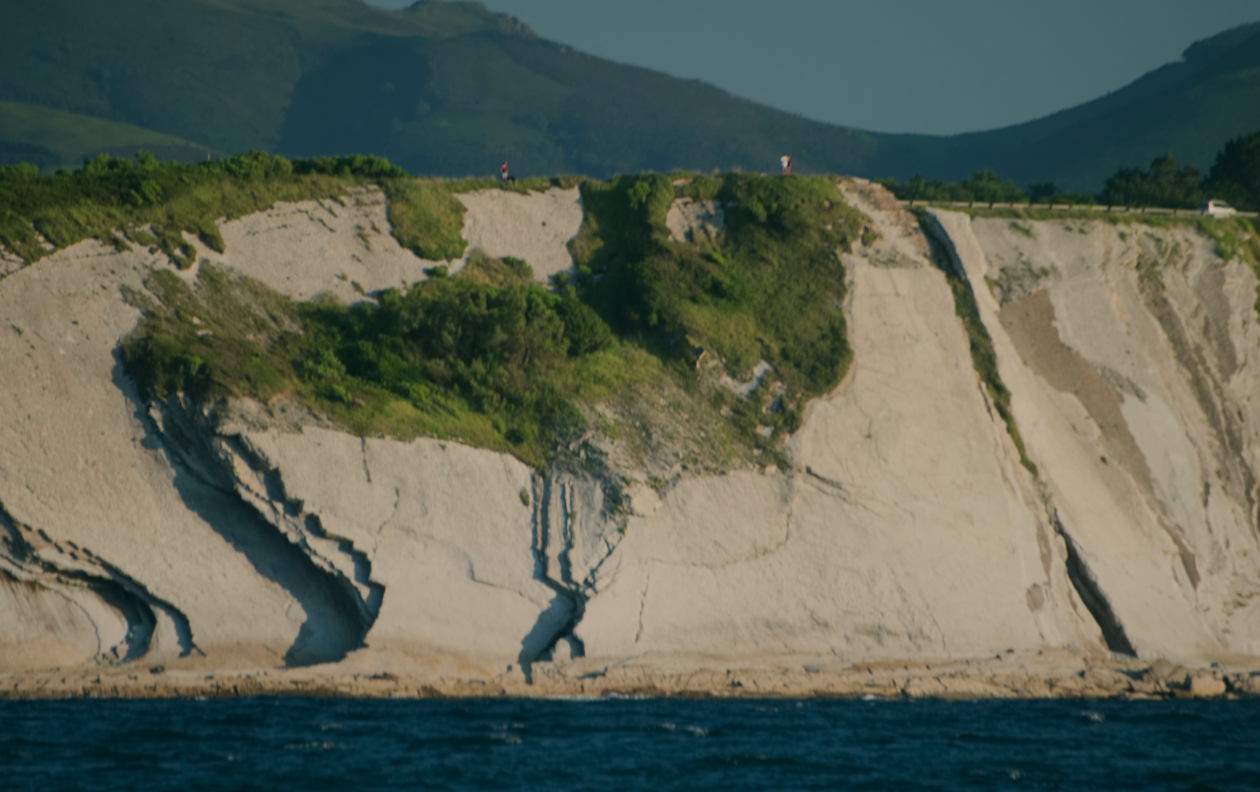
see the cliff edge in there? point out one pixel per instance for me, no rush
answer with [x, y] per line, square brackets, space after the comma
[1078, 516]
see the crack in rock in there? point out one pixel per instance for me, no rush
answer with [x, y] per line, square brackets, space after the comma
[1091, 594]
[553, 545]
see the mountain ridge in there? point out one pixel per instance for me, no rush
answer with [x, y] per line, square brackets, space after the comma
[453, 89]
[1220, 57]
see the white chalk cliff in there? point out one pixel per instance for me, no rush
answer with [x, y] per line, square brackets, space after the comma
[907, 528]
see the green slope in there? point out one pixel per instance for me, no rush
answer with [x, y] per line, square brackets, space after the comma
[452, 89]
[443, 88]
[459, 106]
[54, 139]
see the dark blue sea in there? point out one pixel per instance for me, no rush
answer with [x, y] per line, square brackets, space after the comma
[627, 744]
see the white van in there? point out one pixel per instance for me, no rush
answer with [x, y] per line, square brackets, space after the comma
[1215, 208]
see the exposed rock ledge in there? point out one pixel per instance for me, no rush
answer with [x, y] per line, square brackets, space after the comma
[159, 550]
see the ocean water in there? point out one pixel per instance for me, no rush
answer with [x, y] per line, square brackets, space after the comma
[627, 744]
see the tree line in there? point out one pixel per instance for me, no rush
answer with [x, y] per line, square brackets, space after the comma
[1234, 177]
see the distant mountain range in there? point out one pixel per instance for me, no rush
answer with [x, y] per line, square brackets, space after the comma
[453, 89]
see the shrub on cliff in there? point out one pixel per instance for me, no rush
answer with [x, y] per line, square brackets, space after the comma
[497, 366]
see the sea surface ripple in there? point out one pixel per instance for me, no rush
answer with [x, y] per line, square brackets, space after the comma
[627, 744]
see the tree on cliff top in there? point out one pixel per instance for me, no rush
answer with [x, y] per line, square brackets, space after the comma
[1236, 174]
[1164, 184]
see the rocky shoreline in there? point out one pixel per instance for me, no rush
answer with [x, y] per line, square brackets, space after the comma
[1053, 675]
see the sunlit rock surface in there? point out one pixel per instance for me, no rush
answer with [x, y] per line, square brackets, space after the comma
[159, 536]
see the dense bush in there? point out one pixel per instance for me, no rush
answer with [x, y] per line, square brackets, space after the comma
[452, 344]
[769, 287]
[496, 365]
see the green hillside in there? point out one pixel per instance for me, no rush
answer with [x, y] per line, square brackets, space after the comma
[53, 138]
[1190, 109]
[452, 89]
[439, 88]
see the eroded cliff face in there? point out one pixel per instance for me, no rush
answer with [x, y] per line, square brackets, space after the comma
[247, 536]
[1130, 352]
[907, 528]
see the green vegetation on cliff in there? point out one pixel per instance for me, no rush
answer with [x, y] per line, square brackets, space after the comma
[496, 360]
[768, 287]
[496, 364]
[155, 203]
[984, 359]
[980, 343]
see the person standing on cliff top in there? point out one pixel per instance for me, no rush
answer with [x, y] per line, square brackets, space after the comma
[503, 171]
[786, 163]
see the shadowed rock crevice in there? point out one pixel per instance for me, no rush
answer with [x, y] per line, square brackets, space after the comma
[1095, 600]
[349, 567]
[554, 545]
[559, 618]
[122, 594]
[333, 625]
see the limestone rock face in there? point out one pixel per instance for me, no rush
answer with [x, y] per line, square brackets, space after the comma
[907, 527]
[444, 543]
[89, 491]
[1131, 354]
[47, 625]
[686, 218]
[343, 248]
[535, 227]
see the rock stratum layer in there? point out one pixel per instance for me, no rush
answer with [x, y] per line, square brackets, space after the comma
[166, 549]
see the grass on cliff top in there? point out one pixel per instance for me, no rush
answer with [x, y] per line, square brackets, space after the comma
[110, 194]
[497, 361]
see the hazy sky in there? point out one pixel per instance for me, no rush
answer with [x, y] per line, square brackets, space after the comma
[936, 66]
